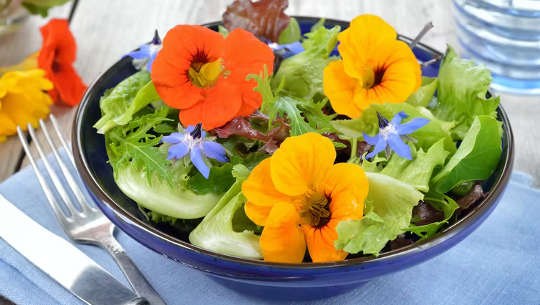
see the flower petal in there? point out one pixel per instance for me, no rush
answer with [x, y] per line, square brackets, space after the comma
[198, 161]
[411, 126]
[347, 186]
[320, 243]
[220, 105]
[173, 138]
[301, 163]
[397, 145]
[396, 120]
[257, 213]
[142, 53]
[68, 84]
[169, 70]
[244, 55]
[371, 140]
[215, 151]
[282, 239]
[340, 88]
[259, 188]
[380, 146]
[178, 151]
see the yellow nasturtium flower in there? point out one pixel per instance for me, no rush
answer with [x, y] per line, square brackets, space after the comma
[299, 195]
[23, 100]
[376, 68]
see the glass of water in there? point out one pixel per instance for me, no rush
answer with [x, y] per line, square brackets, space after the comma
[505, 36]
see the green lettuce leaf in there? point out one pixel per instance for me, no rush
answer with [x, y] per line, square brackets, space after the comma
[426, 136]
[216, 232]
[388, 214]
[476, 158]
[128, 97]
[442, 203]
[417, 172]
[291, 33]
[300, 76]
[41, 7]
[219, 180]
[462, 92]
[425, 93]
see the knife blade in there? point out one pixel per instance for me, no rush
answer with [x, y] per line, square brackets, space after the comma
[61, 260]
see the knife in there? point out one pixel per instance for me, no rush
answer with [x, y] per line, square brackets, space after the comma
[62, 261]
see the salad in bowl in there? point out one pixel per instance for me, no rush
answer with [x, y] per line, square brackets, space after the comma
[261, 143]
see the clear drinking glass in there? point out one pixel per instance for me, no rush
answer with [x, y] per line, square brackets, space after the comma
[505, 36]
[11, 14]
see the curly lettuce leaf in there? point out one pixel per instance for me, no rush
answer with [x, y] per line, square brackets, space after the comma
[425, 93]
[442, 203]
[417, 172]
[176, 201]
[301, 76]
[388, 214]
[476, 158]
[217, 232]
[291, 33]
[462, 93]
[128, 97]
[426, 136]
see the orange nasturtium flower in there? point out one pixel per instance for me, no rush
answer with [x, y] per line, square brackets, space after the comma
[204, 74]
[299, 195]
[56, 57]
[22, 100]
[376, 68]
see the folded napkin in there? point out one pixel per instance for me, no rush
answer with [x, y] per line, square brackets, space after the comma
[499, 263]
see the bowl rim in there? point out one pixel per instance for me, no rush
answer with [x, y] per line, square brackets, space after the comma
[417, 247]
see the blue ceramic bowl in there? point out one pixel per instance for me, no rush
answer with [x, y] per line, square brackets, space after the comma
[298, 280]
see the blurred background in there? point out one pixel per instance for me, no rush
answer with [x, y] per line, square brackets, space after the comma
[502, 34]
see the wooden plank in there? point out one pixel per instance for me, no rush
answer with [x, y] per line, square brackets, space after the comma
[14, 47]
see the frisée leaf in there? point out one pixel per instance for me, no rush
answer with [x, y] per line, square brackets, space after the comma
[217, 233]
[388, 214]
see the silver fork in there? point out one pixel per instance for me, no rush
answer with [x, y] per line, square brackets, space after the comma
[85, 224]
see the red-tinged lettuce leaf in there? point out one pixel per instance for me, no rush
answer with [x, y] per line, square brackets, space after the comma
[474, 195]
[243, 127]
[264, 18]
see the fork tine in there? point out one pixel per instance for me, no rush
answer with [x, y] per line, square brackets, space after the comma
[65, 171]
[64, 143]
[62, 218]
[59, 187]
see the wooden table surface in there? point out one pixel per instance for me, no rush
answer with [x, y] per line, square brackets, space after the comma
[106, 30]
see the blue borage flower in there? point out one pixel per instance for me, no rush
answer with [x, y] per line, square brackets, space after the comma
[193, 141]
[146, 53]
[391, 135]
[286, 50]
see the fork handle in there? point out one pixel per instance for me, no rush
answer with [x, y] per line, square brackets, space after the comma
[134, 276]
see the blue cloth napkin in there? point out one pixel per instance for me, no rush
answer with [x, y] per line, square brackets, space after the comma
[497, 264]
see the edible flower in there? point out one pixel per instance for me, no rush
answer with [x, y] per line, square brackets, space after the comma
[391, 135]
[299, 195]
[146, 54]
[286, 50]
[204, 74]
[56, 57]
[22, 100]
[376, 68]
[193, 141]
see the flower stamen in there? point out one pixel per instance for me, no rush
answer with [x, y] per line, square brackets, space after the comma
[315, 210]
[204, 75]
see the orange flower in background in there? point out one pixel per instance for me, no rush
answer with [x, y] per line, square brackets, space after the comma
[376, 68]
[22, 100]
[204, 74]
[299, 195]
[56, 57]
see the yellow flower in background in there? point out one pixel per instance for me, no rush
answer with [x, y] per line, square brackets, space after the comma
[27, 64]
[376, 68]
[23, 100]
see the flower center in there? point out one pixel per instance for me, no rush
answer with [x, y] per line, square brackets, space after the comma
[315, 210]
[204, 75]
[373, 77]
[388, 130]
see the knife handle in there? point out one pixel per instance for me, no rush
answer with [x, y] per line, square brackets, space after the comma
[134, 276]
